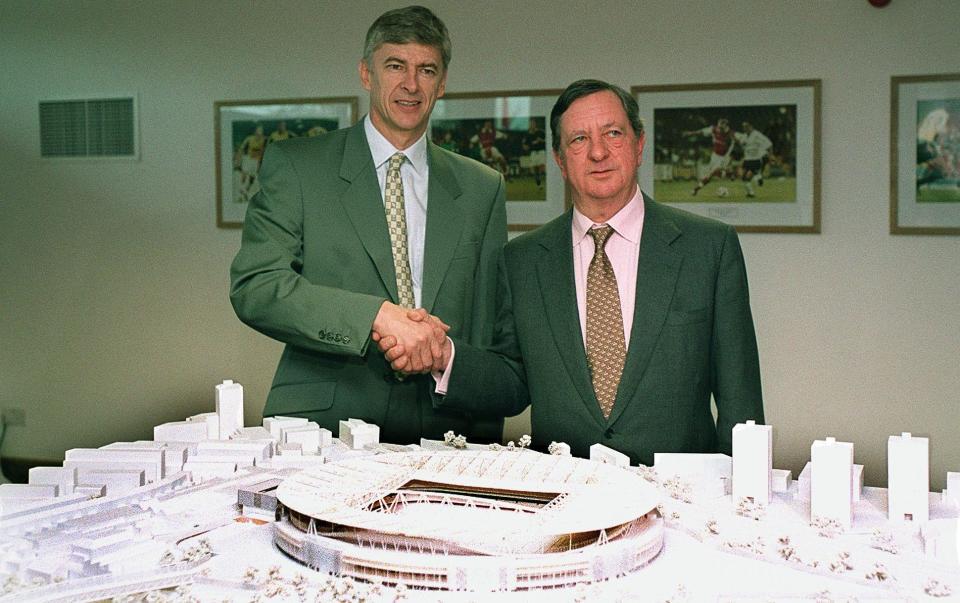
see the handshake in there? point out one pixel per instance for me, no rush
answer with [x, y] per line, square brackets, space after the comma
[412, 340]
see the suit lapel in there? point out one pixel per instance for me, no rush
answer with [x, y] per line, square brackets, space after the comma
[559, 296]
[657, 272]
[444, 223]
[363, 204]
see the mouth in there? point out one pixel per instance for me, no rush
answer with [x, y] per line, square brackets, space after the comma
[407, 104]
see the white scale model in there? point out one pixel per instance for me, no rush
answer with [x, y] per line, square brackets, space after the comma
[479, 520]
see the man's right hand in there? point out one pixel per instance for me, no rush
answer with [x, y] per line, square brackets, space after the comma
[421, 336]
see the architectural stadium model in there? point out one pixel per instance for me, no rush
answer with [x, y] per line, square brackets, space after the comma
[477, 520]
[210, 510]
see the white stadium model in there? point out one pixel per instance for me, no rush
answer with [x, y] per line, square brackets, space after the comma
[479, 520]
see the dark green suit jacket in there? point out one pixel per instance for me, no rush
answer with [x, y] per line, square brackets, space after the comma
[692, 337]
[315, 265]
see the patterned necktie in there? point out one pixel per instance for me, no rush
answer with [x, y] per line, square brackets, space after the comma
[606, 350]
[397, 225]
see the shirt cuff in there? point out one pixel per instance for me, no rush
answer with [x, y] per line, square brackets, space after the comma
[442, 378]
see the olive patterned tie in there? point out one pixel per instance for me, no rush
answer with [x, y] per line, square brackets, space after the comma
[397, 225]
[606, 350]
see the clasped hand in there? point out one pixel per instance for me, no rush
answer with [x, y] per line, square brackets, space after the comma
[413, 341]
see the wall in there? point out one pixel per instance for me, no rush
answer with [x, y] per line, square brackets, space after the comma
[113, 277]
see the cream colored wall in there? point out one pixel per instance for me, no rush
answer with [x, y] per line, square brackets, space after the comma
[113, 277]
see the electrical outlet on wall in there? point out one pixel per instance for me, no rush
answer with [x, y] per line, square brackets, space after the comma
[14, 417]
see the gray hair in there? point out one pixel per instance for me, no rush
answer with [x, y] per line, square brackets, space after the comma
[409, 24]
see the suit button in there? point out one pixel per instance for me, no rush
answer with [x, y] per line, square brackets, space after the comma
[608, 434]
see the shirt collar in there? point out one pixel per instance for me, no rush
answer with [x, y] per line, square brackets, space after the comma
[382, 150]
[628, 222]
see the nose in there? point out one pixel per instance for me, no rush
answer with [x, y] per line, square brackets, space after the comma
[410, 80]
[598, 149]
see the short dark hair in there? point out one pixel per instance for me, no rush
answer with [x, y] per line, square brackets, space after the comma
[581, 88]
[405, 25]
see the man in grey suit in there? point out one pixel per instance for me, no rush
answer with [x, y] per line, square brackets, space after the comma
[353, 229]
[620, 319]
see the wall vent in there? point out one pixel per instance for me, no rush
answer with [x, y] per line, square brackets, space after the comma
[104, 127]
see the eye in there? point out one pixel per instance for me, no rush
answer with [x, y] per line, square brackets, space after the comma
[614, 133]
[430, 71]
[394, 66]
[578, 139]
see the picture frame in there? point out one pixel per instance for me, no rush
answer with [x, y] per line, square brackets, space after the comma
[510, 131]
[703, 153]
[925, 154]
[244, 128]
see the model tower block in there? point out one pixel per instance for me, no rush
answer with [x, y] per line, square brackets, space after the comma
[229, 408]
[951, 495]
[908, 478]
[752, 462]
[831, 481]
[356, 433]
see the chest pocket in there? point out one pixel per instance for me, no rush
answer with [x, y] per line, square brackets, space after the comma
[466, 250]
[687, 317]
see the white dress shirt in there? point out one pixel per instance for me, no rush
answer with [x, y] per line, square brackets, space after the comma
[415, 174]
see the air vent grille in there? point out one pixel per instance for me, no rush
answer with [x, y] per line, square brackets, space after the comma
[88, 128]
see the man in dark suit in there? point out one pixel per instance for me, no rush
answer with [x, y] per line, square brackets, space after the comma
[352, 229]
[618, 320]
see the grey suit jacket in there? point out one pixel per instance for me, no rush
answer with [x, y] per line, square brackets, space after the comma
[692, 337]
[315, 265]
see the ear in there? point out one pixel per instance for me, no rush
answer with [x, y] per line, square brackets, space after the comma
[443, 85]
[641, 141]
[558, 157]
[364, 75]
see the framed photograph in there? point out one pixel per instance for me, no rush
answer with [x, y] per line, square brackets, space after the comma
[244, 129]
[925, 154]
[510, 132]
[746, 153]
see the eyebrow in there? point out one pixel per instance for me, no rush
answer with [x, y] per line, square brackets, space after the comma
[603, 126]
[395, 59]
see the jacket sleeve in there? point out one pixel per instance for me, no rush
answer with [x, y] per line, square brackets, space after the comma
[485, 278]
[490, 380]
[267, 289]
[735, 362]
